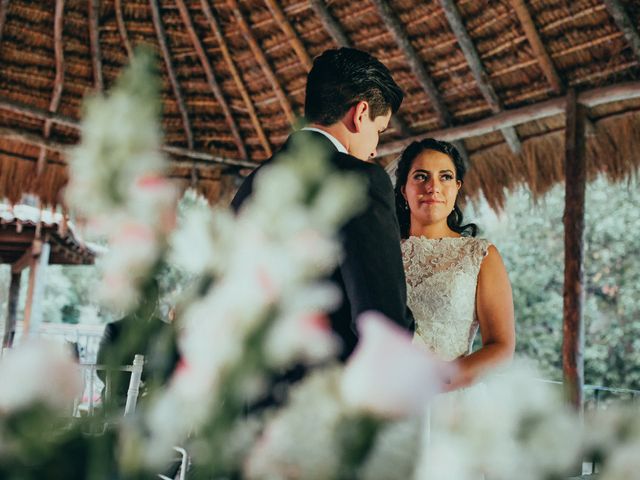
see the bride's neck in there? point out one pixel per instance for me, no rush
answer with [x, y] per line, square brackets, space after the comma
[438, 230]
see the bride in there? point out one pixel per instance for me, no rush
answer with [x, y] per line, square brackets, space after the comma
[456, 283]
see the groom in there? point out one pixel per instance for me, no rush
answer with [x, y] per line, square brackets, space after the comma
[350, 97]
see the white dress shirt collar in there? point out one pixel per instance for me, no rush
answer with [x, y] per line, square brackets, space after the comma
[333, 139]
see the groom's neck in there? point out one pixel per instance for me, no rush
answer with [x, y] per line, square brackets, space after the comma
[337, 130]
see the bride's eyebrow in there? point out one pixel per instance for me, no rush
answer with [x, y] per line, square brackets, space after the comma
[421, 170]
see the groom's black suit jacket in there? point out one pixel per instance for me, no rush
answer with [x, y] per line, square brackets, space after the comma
[371, 274]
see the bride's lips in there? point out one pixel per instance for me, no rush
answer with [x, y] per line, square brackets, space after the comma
[431, 201]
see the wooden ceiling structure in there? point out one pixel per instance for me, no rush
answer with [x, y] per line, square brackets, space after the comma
[491, 75]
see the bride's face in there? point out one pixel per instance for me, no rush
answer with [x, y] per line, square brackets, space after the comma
[431, 188]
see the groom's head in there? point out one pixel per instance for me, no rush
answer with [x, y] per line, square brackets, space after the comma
[351, 87]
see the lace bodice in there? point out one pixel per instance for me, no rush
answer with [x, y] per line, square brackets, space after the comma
[442, 275]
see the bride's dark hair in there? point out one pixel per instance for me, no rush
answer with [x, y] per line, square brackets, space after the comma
[454, 220]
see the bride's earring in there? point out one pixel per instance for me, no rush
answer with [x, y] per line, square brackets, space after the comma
[406, 205]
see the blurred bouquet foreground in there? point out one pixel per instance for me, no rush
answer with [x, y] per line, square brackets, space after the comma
[258, 308]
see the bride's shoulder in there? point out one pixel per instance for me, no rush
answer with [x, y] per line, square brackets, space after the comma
[477, 246]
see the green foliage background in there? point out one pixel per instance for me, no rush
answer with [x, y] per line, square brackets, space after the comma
[530, 237]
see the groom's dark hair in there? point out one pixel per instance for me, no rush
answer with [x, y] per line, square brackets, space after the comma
[341, 78]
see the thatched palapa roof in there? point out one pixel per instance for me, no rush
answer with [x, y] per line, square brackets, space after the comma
[491, 75]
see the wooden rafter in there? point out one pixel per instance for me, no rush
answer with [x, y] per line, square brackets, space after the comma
[29, 111]
[38, 141]
[211, 78]
[58, 82]
[18, 156]
[342, 40]
[206, 158]
[4, 5]
[194, 156]
[94, 37]
[415, 63]
[511, 118]
[31, 139]
[330, 23]
[292, 36]
[544, 60]
[624, 23]
[224, 48]
[173, 79]
[122, 28]
[262, 61]
[475, 64]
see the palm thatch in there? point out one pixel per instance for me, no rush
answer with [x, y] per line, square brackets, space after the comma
[234, 74]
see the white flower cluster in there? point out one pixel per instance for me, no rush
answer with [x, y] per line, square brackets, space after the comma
[38, 372]
[511, 426]
[388, 380]
[613, 436]
[267, 302]
[117, 182]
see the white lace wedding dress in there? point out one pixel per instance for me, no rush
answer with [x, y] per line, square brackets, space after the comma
[442, 276]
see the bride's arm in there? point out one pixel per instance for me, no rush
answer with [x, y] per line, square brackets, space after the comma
[494, 307]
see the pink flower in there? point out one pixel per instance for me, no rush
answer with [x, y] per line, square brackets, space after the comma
[387, 374]
[134, 233]
[152, 182]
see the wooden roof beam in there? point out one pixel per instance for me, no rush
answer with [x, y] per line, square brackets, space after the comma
[29, 111]
[331, 24]
[244, 93]
[588, 98]
[511, 118]
[23, 136]
[340, 37]
[173, 79]
[624, 23]
[58, 82]
[415, 63]
[544, 60]
[292, 36]
[4, 6]
[94, 38]
[211, 78]
[475, 64]
[262, 61]
[203, 158]
[122, 28]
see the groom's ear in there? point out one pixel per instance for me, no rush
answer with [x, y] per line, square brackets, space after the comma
[359, 111]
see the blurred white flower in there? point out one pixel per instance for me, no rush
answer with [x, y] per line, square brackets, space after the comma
[117, 180]
[387, 374]
[38, 372]
[623, 463]
[503, 436]
[304, 338]
[299, 442]
[395, 451]
[134, 250]
[153, 200]
[193, 247]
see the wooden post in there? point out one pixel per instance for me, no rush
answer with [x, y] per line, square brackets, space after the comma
[12, 310]
[573, 293]
[35, 292]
